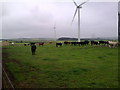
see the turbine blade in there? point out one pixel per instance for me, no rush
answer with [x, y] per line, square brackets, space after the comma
[83, 3]
[74, 15]
[75, 3]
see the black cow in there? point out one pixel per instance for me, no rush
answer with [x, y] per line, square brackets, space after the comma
[58, 44]
[26, 44]
[94, 43]
[66, 43]
[86, 42]
[81, 43]
[103, 42]
[74, 43]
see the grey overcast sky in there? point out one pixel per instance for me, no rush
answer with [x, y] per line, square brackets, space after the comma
[33, 19]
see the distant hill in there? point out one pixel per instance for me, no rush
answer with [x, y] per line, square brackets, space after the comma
[104, 38]
[52, 39]
[27, 40]
[30, 39]
[67, 38]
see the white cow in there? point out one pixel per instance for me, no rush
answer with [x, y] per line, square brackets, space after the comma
[112, 44]
[12, 43]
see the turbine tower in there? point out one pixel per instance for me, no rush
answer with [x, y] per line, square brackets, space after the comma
[78, 9]
[54, 31]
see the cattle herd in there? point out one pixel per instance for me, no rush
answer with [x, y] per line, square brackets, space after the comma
[110, 44]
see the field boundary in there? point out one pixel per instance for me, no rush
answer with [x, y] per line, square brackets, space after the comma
[6, 77]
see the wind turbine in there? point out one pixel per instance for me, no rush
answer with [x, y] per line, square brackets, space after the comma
[78, 7]
[54, 31]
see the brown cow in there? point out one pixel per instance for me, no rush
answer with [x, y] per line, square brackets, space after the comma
[41, 44]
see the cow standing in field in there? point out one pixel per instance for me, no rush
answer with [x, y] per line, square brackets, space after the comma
[66, 43]
[50, 42]
[86, 42]
[80, 43]
[112, 44]
[74, 43]
[12, 43]
[58, 44]
[83, 43]
[103, 43]
[26, 44]
[94, 43]
[41, 44]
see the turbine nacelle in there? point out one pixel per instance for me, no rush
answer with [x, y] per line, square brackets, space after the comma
[79, 6]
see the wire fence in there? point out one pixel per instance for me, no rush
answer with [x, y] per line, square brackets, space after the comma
[6, 82]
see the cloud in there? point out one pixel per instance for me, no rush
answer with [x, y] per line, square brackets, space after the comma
[37, 19]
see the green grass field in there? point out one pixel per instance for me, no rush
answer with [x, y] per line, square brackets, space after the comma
[63, 67]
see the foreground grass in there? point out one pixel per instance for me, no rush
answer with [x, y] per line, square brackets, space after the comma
[65, 67]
